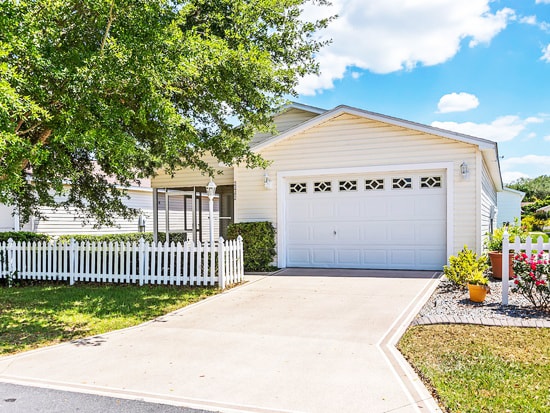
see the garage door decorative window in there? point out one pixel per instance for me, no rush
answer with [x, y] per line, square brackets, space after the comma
[325, 186]
[402, 183]
[297, 188]
[374, 184]
[430, 182]
[346, 186]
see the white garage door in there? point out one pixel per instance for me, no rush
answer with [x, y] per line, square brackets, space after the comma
[386, 221]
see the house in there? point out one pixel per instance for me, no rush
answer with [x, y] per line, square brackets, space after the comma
[348, 188]
[509, 206]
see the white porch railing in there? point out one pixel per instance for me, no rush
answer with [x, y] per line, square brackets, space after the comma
[119, 262]
[517, 246]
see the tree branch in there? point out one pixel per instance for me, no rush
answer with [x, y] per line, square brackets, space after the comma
[109, 23]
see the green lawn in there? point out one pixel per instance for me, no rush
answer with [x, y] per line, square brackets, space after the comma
[35, 316]
[482, 369]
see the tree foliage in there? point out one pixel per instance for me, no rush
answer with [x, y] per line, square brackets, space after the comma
[94, 92]
[535, 188]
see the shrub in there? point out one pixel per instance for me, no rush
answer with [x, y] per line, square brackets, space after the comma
[123, 237]
[532, 278]
[493, 242]
[23, 236]
[258, 244]
[464, 266]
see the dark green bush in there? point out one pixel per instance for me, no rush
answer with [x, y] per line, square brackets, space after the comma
[123, 237]
[23, 236]
[258, 244]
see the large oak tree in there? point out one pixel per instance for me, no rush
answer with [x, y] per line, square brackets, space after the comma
[93, 91]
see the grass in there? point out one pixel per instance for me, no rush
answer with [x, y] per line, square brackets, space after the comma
[482, 369]
[41, 315]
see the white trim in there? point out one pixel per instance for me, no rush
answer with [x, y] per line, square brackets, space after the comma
[282, 177]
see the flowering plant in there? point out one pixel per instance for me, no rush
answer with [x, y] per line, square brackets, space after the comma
[532, 278]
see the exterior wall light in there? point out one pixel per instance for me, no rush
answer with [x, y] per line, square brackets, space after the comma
[268, 184]
[464, 170]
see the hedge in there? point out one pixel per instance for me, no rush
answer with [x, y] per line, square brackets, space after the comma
[258, 244]
[23, 236]
[124, 237]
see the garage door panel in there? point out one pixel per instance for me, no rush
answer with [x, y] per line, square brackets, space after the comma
[375, 208]
[323, 209]
[375, 258]
[299, 233]
[323, 233]
[348, 210]
[401, 232]
[349, 257]
[299, 257]
[429, 207]
[367, 227]
[324, 256]
[348, 233]
[430, 233]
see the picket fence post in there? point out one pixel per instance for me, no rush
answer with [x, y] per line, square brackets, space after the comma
[240, 258]
[505, 267]
[221, 264]
[72, 262]
[141, 258]
[11, 259]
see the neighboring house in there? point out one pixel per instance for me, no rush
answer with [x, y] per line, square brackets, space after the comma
[348, 188]
[509, 206]
[62, 221]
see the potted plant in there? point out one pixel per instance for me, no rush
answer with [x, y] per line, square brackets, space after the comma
[463, 266]
[478, 286]
[493, 244]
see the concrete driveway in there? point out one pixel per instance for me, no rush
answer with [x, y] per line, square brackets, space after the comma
[299, 341]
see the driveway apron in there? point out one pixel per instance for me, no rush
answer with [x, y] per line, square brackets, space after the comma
[300, 341]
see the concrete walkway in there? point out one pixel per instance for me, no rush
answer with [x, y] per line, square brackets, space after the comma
[299, 341]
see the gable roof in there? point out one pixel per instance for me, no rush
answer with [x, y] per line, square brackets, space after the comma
[488, 148]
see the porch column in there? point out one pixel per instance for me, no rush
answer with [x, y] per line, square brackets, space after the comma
[155, 214]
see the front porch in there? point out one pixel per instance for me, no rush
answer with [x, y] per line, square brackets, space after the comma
[185, 210]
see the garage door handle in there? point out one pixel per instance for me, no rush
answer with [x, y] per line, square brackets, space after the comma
[334, 232]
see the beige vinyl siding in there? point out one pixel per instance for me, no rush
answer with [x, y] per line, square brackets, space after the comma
[190, 177]
[67, 222]
[488, 201]
[350, 141]
[285, 121]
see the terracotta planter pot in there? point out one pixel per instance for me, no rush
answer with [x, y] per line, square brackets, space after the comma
[477, 292]
[496, 264]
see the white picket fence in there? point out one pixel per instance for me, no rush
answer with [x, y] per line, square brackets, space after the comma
[118, 262]
[529, 247]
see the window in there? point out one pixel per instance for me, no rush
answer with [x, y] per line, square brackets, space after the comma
[402, 183]
[346, 186]
[298, 188]
[325, 186]
[374, 184]
[430, 182]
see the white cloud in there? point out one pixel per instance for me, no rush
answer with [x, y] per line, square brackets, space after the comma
[543, 2]
[532, 20]
[547, 138]
[457, 102]
[509, 177]
[537, 164]
[355, 75]
[502, 129]
[387, 36]
[546, 53]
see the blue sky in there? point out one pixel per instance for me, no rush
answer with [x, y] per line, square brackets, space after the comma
[479, 67]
